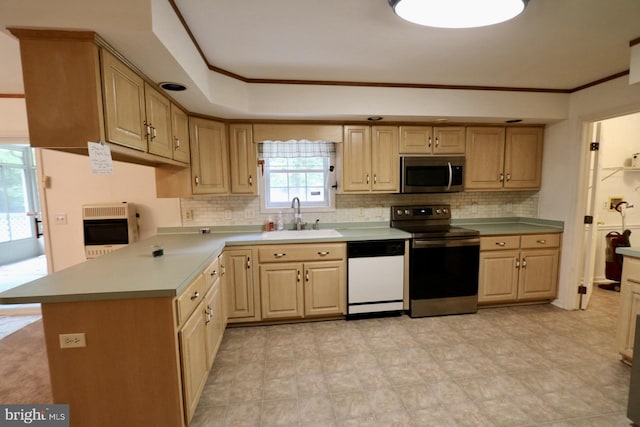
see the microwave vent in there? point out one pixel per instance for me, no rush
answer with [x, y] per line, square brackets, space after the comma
[104, 211]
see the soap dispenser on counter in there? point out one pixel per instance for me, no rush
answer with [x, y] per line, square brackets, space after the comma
[279, 222]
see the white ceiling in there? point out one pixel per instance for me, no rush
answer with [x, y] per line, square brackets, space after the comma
[554, 44]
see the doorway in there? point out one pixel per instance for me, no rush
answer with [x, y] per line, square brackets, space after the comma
[22, 247]
[615, 178]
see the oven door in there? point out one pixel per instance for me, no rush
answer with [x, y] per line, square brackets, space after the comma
[443, 276]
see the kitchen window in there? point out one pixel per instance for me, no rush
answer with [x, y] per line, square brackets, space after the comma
[299, 168]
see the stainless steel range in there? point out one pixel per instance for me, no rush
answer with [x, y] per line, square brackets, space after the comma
[443, 261]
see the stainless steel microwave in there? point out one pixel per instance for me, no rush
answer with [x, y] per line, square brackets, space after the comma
[431, 174]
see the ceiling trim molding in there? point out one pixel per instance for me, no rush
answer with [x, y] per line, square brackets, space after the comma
[244, 79]
[11, 95]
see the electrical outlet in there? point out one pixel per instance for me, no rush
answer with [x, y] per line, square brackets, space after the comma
[249, 214]
[361, 211]
[72, 340]
[61, 218]
[188, 215]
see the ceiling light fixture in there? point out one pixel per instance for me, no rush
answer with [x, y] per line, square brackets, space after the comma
[457, 13]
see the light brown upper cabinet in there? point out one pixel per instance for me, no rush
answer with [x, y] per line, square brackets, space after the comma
[369, 159]
[499, 158]
[86, 93]
[432, 140]
[209, 157]
[243, 159]
[180, 129]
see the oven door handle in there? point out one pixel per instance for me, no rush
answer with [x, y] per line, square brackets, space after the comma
[444, 243]
[450, 176]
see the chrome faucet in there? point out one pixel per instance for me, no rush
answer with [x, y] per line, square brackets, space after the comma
[298, 216]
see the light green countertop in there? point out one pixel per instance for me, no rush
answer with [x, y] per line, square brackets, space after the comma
[633, 251]
[132, 272]
[510, 225]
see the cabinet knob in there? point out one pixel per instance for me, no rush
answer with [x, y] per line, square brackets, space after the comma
[195, 295]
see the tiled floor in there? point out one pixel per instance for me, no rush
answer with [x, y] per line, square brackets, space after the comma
[519, 366]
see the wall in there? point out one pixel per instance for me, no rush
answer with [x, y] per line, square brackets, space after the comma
[358, 208]
[72, 184]
[13, 121]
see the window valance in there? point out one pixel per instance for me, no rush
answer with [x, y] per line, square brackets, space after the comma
[296, 148]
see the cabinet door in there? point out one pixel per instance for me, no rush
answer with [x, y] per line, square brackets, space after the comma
[281, 290]
[213, 322]
[325, 290]
[523, 158]
[240, 286]
[449, 140]
[243, 159]
[124, 104]
[356, 161]
[384, 159]
[209, 157]
[498, 277]
[629, 310]
[484, 169]
[180, 129]
[193, 359]
[416, 140]
[158, 109]
[538, 274]
[223, 290]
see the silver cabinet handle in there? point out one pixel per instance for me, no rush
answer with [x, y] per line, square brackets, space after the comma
[306, 275]
[501, 177]
[375, 178]
[248, 263]
[323, 253]
[542, 242]
[153, 133]
[195, 296]
[298, 275]
[450, 176]
[250, 180]
[368, 179]
[147, 127]
[500, 243]
[437, 142]
[197, 180]
[177, 145]
[518, 263]
[279, 255]
[213, 273]
[222, 269]
[524, 263]
[508, 177]
[429, 143]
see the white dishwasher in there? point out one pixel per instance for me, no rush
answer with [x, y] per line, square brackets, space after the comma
[375, 279]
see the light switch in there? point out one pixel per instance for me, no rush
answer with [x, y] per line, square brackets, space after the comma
[61, 218]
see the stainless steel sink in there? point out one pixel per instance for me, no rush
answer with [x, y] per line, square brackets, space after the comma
[300, 234]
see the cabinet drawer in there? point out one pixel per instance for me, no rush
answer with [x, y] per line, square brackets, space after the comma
[493, 243]
[631, 269]
[211, 274]
[313, 252]
[533, 241]
[190, 298]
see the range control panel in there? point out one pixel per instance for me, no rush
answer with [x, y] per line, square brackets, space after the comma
[422, 212]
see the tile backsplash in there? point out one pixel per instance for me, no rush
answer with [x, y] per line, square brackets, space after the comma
[245, 210]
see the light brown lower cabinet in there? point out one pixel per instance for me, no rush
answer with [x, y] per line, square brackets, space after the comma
[292, 288]
[242, 293]
[518, 268]
[629, 307]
